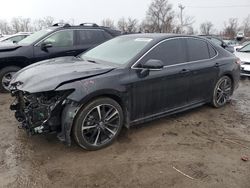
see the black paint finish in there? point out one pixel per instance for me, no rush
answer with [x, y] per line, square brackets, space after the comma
[143, 94]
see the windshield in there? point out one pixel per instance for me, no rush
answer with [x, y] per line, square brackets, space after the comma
[245, 48]
[119, 50]
[34, 37]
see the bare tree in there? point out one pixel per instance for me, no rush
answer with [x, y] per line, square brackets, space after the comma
[128, 26]
[25, 24]
[108, 23]
[231, 28]
[5, 27]
[206, 28]
[159, 17]
[185, 21]
[122, 25]
[42, 23]
[16, 25]
[38, 25]
[48, 21]
[132, 25]
[246, 26]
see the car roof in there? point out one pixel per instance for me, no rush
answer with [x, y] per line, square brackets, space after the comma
[161, 36]
[111, 31]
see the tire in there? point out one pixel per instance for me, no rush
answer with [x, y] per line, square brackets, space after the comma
[5, 76]
[222, 92]
[98, 124]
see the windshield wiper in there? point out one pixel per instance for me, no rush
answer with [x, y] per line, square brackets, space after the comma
[245, 51]
[91, 61]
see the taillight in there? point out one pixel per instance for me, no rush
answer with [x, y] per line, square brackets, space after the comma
[238, 61]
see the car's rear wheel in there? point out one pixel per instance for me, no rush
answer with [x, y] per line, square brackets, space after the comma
[6, 75]
[222, 92]
[98, 124]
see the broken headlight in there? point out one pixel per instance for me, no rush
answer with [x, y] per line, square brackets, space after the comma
[40, 112]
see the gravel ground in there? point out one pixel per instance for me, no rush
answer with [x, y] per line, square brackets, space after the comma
[205, 143]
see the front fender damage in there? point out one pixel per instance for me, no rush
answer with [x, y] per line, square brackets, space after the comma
[68, 115]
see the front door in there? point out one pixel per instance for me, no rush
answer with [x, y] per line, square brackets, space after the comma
[60, 43]
[161, 90]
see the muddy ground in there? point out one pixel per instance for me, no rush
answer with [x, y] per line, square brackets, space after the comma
[207, 144]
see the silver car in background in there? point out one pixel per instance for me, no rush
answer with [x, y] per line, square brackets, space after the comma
[244, 55]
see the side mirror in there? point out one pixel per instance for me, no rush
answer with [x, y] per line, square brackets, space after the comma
[153, 64]
[224, 45]
[45, 46]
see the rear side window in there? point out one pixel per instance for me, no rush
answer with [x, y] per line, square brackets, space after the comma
[197, 49]
[91, 37]
[212, 51]
[169, 52]
[216, 41]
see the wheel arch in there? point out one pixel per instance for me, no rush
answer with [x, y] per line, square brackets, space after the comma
[228, 74]
[120, 98]
[17, 62]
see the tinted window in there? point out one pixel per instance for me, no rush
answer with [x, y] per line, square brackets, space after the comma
[91, 36]
[216, 41]
[212, 51]
[197, 49]
[169, 52]
[61, 39]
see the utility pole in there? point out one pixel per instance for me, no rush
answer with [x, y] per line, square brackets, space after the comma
[181, 16]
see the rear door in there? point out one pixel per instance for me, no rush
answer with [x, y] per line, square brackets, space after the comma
[62, 44]
[161, 90]
[204, 69]
[89, 38]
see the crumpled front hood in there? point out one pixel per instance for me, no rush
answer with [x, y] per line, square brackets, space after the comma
[49, 74]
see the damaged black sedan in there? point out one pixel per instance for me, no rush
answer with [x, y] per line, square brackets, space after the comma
[125, 81]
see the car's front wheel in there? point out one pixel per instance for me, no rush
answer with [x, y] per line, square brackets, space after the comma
[6, 75]
[98, 124]
[222, 92]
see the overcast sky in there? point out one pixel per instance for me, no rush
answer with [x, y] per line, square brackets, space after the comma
[216, 11]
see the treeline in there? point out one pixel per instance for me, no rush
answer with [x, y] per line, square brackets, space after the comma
[160, 17]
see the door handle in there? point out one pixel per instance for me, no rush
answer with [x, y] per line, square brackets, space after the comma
[216, 65]
[185, 71]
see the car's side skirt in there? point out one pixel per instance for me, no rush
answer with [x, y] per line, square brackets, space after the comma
[168, 113]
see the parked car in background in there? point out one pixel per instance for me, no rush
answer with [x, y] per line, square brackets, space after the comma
[240, 35]
[219, 42]
[125, 81]
[241, 45]
[49, 43]
[14, 38]
[231, 42]
[244, 55]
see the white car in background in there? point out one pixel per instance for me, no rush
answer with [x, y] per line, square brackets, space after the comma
[241, 45]
[14, 38]
[240, 35]
[244, 55]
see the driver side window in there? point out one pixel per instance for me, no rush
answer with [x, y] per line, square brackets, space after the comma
[170, 52]
[61, 39]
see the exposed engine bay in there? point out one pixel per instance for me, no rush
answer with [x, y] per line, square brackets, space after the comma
[40, 112]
